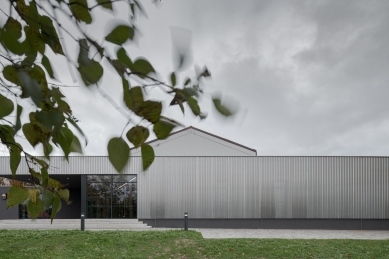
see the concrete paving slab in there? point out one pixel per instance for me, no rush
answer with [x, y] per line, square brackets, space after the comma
[294, 234]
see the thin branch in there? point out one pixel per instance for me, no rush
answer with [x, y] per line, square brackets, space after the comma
[7, 87]
[64, 85]
[4, 12]
[56, 19]
[7, 58]
[158, 82]
[114, 104]
[6, 121]
[128, 122]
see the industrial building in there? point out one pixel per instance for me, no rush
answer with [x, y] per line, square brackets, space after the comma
[222, 184]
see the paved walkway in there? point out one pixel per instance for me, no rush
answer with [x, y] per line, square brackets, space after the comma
[293, 234]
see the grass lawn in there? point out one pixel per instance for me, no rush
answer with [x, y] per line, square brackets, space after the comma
[174, 244]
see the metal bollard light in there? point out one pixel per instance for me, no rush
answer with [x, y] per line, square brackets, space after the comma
[82, 222]
[186, 221]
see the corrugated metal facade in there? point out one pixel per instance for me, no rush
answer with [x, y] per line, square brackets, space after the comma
[249, 187]
[265, 187]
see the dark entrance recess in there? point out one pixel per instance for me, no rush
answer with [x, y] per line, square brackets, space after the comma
[111, 196]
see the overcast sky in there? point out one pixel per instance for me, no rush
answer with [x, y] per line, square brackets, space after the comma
[310, 77]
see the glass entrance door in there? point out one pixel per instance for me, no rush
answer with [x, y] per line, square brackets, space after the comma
[112, 196]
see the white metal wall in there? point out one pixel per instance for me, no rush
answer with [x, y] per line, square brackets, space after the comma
[265, 187]
[248, 187]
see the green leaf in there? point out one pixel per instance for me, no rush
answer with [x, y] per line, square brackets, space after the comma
[56, 207]
[35, 39]
[33, 136]
[13, 27]
[35, 174]
[193, 106]
[142, 67]
[28, 13]
[179, 99]
[137, 135]
[11, 74]
[83, 58]
[187, 81]
[190, 91]
[33, 194]
[18, 123]
[221, 108]
[63, 107]
[28, 61]
[64, 195]
[76, 145]
[34, 208]
[151, 111]
[181, 106]
[118, 153]
[40, 162]
[50, 119]
[16, 195]
[105, 4]
[123, 57]
[133, 98]
[147, 155]
[204, 73]
[77, 127]
[47, 65]
[11, 43]
[45, 177]
[47, 149]
[47, 198]
[91, 74]
[162, 129]
[15, 158]
[173, 78]
[99, 48]
[7, 133]
[120, 34]
[126, 84]
[80, 10]
[55, 185]
[38, 74]
[6, 106]
[65, 139]
[31, 87]
[49, 35]
[119, 67]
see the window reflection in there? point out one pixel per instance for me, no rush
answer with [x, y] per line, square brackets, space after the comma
[112, 196]
[99, 178]
[123, 178]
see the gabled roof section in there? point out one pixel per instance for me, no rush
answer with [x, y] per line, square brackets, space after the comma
[210, 134]
[192, 141]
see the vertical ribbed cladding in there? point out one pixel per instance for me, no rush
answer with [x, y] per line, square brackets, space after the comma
[76, 165]
[247, 187]
[265, 187]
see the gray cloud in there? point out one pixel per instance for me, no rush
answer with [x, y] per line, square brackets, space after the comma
[311, 77]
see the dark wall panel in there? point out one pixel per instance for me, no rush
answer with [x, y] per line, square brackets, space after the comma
[334, 224]
[12, 213]
[73, 210]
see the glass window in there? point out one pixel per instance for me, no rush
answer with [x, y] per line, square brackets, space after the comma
[99, 178]
[99, 200]
[122, 178]
[124, 200]
[112, 196]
